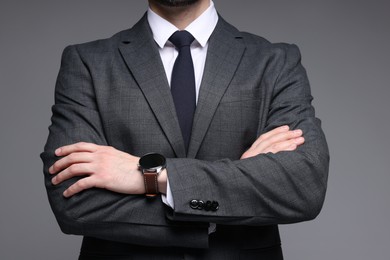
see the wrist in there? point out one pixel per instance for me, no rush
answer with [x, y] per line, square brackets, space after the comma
[152, 165]
[162, 181]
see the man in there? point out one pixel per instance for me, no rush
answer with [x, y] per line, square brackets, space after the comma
[216, 122]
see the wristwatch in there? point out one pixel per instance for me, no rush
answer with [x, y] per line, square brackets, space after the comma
[151, 165]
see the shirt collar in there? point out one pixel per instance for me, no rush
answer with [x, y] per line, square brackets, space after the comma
[201, 28]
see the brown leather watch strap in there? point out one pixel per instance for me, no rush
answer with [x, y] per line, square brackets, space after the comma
[151, 185]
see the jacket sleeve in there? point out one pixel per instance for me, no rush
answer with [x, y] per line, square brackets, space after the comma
[97, 212]
[285, 187]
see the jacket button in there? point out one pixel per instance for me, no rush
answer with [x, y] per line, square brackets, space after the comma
[201, 204]
[207, 205]
[194, 204]
[214, 206]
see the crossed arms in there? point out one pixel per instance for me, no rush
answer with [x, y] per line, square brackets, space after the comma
[108, 168]
[93, 188]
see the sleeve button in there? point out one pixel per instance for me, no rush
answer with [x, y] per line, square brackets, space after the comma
[201, 204]
[207, 205]
[214, 206]
[194, 204]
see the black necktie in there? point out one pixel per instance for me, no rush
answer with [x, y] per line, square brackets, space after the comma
[183, 83]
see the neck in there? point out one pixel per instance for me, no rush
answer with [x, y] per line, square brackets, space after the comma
[182, 16]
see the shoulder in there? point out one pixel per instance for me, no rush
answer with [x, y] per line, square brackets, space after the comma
[95, 54]
[111, 44]
[98, 46]
[255, 43]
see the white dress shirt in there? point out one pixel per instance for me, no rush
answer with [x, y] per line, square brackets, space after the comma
[201, 29]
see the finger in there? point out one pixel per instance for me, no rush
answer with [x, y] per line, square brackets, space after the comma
[248, 154]
[79, 169]
[77, 147]
[289, 145]
[280, 137]
[80, 185]
[268, 134]
[70, 159]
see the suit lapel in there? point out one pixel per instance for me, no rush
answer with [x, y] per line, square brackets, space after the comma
[223, 57]
[143, 60]
[141, 55]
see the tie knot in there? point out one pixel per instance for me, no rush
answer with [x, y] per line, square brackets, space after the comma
[181, 39]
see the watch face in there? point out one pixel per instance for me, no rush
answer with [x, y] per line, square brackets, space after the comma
[152, 160]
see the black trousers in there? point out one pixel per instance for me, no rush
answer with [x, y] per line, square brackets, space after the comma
[228, 242]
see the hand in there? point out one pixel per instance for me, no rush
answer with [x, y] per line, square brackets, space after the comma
[101, 166]
[277, 140]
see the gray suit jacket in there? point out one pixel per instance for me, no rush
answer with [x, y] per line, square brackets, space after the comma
[115, 92]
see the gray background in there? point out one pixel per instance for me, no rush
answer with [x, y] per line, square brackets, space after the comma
[345, 48]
